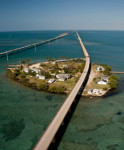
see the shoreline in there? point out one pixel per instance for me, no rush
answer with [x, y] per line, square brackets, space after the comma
[64, 91]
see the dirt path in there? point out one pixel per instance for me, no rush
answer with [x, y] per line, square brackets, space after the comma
[92, 75]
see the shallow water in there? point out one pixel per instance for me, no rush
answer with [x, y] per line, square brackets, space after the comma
[97, 124]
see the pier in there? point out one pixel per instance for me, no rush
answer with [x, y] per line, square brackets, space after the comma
[117, 72]
[6, 53]
[49, 134]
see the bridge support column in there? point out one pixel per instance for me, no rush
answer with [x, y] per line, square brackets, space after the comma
[7, 56]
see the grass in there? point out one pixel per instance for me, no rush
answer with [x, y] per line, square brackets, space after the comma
[98, 75]
[75, 70]
[68, 84]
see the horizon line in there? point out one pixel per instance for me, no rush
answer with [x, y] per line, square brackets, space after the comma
[64, 30]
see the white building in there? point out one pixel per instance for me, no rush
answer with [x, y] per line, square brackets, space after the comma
[96, 91]
[100, 68]
[90, 91]
[93, 91]
[105, 78]
[39, 76]
[37, 70]
[42, 77]
[26, 70]
[102, 82]
[51, 81]
[66, 76]
[64, 66]
[62, 79]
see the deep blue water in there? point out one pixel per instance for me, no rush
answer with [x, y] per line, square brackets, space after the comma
[97, 124]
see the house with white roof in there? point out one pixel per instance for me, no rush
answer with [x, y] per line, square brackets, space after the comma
[51, 81]
[26, 70]
[96, 91]
[105, 78]
[93, 91]
[64, 66]
[39, 76]
[37, 70]
[62, 77]
[102, 82]
[100, 68]
[90, 91]
[42, 77]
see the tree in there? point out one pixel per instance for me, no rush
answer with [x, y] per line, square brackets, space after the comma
[57, 89]
[113, 81]
[21, 67]
[25, 61]
[43, 86]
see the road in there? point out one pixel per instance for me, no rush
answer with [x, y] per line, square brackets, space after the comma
[55, 124]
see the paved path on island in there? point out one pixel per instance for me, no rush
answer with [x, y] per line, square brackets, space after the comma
[50, 132]
[31, 45]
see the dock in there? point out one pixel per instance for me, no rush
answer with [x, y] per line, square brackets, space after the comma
[117, 72]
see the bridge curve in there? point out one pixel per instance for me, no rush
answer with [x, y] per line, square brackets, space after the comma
[50, 132]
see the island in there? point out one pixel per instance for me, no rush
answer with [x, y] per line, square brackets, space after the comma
[60, 76]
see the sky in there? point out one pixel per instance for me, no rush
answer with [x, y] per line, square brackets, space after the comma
[21, 15]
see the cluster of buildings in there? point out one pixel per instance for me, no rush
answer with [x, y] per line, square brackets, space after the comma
[59, 77]
[102, 81]
[36, 70]
[93, 91]
[100, 68]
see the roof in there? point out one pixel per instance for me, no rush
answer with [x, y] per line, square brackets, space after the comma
[100, 67]
[26, 69]
[104, 77]
[63, 76]
[51, 80]
[95, 90]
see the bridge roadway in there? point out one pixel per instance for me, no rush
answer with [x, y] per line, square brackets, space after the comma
[32, 45]
[49, 134]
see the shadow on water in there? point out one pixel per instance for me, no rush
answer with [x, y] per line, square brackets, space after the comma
[58, 137]
[13, 129]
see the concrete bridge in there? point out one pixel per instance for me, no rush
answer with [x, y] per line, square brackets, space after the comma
[48, 136]
[117, 72]
[31, 45]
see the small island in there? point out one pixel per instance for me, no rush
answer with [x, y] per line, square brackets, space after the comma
[60, 76]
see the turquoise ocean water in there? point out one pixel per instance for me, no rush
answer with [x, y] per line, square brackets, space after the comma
[97, 124]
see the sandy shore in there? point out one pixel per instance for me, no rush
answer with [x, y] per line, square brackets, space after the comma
[37, 65]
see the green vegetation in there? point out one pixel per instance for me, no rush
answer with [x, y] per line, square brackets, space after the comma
[105, 76]
[107, 69]
[21, 67]
[73, 67]
[31, 73]
[105, 88]
[25, 61]
[46, 74]
[57, 89]
[113, 81]
[50, 59]
[43, 86]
